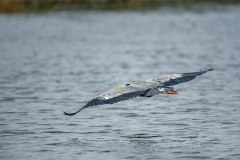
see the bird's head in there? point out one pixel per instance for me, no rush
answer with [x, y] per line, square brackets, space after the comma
[123, 85]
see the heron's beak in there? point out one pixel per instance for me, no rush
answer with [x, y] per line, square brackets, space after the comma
[120, 87]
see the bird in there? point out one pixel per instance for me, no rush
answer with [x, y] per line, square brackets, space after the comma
[142, 88]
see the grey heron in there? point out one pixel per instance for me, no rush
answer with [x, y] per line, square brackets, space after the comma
[146, 88]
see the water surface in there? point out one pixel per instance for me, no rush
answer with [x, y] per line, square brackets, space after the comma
[58, 61]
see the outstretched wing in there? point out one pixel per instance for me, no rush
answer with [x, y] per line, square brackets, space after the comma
[114, 96]
[174, 79]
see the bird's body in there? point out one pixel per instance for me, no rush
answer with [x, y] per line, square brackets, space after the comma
[147, 88]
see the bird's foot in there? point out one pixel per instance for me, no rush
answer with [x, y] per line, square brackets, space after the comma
[172, 92]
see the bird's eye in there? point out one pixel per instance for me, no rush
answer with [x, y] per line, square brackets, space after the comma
[127, 84]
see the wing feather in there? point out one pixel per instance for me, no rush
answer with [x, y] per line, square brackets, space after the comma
[151, 92]
[111, 97]
[174, 79]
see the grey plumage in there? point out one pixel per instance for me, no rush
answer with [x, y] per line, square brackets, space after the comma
[147, 88]
[174, 79]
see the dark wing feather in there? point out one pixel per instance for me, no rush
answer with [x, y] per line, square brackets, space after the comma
[111, 97]
[151, 92]
[174, 79]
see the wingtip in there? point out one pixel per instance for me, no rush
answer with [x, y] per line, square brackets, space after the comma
[68, 114]
[210, 69]
[206, 70]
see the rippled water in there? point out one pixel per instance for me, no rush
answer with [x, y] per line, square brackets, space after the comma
[55, 62]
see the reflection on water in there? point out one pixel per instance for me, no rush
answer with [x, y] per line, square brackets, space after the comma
[54, 62]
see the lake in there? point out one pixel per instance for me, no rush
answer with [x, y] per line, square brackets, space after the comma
[52, 62]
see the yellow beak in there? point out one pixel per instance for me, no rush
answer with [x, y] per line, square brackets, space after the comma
[120, 87]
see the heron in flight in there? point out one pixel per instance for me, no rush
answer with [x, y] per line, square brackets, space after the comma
[147, 88]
